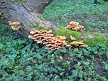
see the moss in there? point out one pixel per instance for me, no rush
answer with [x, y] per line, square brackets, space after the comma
[30, 26]
[15, 0]
[67, 33]
[89, 41]
[31, 10]
[94, 41]
[37, 24]
[20, 0]
[31, 23]
[23, 0]
[42, 28]
[46, 19]
[40, 17]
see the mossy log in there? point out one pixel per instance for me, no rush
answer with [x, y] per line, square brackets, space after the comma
[29, 14]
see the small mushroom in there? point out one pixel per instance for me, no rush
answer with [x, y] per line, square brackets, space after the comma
[32, 32]
[73, 23]
[84, 46]
[81, 42]
[1, 15]
[14, 28]
[62, 37]
[50, 31]
[10, 22]
[72, 38]
[68, 45]
[75, 43]
[14, 25]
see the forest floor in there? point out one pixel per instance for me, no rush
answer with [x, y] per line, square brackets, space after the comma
[22, 59]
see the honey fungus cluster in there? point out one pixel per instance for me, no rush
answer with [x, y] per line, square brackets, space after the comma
[77, 43]
[14, 25]
[46, 37]
[75, 26]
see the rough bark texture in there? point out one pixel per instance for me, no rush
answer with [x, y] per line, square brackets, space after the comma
[25, 13]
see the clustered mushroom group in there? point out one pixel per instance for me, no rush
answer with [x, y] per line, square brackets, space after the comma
[14, 25]
[53, 43]
[46, 37]
[77, 43]
[75, 26]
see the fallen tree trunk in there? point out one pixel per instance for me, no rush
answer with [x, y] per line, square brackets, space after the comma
[29, 14]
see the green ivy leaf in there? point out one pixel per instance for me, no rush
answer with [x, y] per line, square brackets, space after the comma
[74, 73]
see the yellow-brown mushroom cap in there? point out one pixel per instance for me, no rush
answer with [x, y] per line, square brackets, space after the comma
[62, 37]
[32, 32]
[10, 22]
[15, 23]
[84, 45]
[15, 28]
[72, 38]
[68, 45]
[74, 42]
[74, 23]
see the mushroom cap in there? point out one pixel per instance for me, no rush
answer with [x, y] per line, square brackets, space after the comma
[76, 28]
[61, 40]
[58, 43]
[10, 22]
[68, 45]
[81, 42]
[72, 38]
[39, 41]
[74, 42]
[73, 23]
[36, 34]
[32, 32]
[15, 28]
[50, 35]
[62, 37]
[30, 36]
[1, 15]
[50, 31]
[81, 26]
[15, 23]
[84, 45]
[76, 45]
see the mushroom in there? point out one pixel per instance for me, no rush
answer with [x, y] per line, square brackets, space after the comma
[50, 31]
[61, 37]
[14, 25]
[39, 41]
[72, 38]
[10, 22]
[32, 32]
[75, 43]
[68, 45]
[84, 46]
[81, 42]
[1, 15]
[74, 26]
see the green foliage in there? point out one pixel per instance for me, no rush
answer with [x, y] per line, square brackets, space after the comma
[23, 59]
[83, 11]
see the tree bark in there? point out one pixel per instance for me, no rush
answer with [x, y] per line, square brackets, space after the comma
[25, 13]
